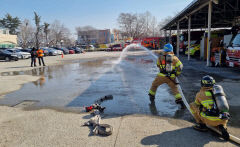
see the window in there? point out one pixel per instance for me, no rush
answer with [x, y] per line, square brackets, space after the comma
[236, 41]
[6, 52]
[117, 45]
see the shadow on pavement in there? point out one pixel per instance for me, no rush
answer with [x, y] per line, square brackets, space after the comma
[185, 137]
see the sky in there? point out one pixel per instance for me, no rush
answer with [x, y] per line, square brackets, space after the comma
[100, 14]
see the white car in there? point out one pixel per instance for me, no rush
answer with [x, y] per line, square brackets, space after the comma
[21, 55]
[59, 52]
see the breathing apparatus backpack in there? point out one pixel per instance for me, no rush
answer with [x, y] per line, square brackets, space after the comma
[220, 98]
[221, 103]
[168, 68]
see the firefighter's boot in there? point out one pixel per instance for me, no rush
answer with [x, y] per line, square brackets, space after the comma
[225, 134]
[200, 127]
[151, 97]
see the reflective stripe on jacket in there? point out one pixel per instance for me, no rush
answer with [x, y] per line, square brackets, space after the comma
[177, 65]
[204, 97]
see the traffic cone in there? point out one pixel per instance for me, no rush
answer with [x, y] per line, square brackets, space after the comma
[62, 54]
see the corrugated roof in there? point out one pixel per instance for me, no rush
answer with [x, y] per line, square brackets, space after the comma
[223, 15]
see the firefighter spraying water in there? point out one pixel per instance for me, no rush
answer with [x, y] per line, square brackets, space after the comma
[170, 67]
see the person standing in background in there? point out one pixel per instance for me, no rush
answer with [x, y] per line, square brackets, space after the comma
[40, 57]
[33, 57]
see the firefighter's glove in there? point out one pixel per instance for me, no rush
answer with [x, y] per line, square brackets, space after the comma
[225, 116]
[212, 112]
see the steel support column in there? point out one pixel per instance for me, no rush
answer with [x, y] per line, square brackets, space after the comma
[189, 36]
[178, 40]
[209, 32]
[170, 34]
[165, 36]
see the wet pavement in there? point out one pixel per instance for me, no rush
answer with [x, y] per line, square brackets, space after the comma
[76, 84]
[81, 83]
[190, 78]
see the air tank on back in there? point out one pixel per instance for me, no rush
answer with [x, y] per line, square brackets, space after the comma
[220, 98]
[169, 61]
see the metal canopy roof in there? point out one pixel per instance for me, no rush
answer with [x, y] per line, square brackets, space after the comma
[223, 15]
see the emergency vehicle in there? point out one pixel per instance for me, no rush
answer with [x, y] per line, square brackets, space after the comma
[151, 42]
[233, 52]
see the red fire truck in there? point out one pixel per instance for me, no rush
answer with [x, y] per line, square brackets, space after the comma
[151, 42]
[233, 52]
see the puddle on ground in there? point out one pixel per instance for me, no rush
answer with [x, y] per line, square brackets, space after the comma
[81, 83]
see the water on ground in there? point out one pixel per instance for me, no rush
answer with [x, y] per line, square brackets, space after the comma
[81, 83]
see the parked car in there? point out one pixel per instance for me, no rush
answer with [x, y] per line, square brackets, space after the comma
[65, 50]
[59, 52]
[52, 52]
[71, 51]
[116, 47]
[45, 51]
[87, 47]
[20, 54]
[28, 50]
[194, 48]
[7, 56]
[76, 49]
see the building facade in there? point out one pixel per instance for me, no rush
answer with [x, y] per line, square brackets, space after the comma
[94, 37]
[7, 40]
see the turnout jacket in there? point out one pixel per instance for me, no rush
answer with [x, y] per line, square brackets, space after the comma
[177, 65]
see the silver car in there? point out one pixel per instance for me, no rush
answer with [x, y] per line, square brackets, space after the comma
[20, 54]
[52, 52]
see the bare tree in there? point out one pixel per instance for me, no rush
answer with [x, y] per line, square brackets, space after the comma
[162, 23]
[58, 33]
[26, 34]
[37, 20]
[153, 26]
[148, 17]
[137, 25]
[46, 31]
[126, 22]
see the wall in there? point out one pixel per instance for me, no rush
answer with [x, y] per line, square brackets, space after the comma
[7, 40]
[94, 36]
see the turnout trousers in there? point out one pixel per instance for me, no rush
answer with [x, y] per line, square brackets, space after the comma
[159, 80]
[201, 117]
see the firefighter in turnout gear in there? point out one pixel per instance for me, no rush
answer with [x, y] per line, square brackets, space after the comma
[170, 67]
[210, 107]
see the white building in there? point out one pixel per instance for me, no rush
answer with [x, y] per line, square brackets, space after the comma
[94, 36]
[7, 40]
